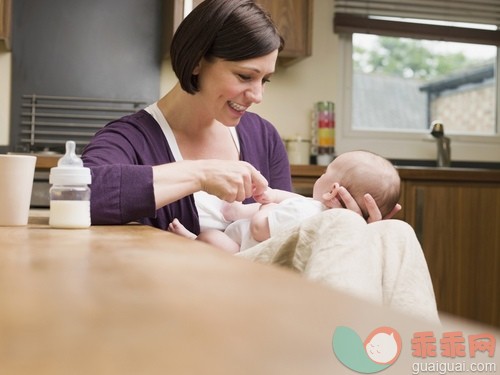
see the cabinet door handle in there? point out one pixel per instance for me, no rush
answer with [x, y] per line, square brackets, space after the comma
[419, 212]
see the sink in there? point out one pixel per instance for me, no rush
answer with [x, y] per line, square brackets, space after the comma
[454, 164]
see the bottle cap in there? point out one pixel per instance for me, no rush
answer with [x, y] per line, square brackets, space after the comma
[70, 169]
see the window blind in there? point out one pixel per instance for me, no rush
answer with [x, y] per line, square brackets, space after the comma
[371, 16]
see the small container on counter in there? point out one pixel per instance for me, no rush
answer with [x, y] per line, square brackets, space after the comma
[325, 155]
[298, 150]
[70, 193]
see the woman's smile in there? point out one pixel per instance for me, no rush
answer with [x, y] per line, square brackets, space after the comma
[237, 107]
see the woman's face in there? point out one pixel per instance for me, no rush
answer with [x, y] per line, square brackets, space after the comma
[229, 88]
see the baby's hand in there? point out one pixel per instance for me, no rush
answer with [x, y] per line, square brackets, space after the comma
[268, 196]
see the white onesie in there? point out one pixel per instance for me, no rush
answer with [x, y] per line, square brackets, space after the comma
[287, 213]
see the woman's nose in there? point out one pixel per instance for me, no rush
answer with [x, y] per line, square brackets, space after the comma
[255, 93]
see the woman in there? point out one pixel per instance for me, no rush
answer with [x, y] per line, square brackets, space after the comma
[198, 145]
[223, 53]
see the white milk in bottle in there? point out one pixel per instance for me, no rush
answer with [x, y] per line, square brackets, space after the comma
[70, 193]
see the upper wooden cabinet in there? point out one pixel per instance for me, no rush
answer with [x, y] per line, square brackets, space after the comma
[173, 13]
[5, 17]
[293, 18]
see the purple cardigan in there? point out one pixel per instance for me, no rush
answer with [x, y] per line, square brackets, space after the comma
[121, 154]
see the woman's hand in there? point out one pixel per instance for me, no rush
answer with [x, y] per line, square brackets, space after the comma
[374, 213]
[229, 180]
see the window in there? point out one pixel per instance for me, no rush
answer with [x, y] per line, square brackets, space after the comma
[417, 81]
[408, 63]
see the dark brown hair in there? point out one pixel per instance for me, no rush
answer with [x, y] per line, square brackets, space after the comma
[232, 30]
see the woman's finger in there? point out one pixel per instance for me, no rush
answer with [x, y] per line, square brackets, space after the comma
[393, 212]
[259, 183]
[348, 201]
[374, 213]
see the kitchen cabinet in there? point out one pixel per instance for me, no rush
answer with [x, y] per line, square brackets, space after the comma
[5, 22]
[457, 221]
[173, 14]
[456, 216]
[293, 18]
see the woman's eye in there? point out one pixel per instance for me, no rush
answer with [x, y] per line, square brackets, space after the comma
[247, 78]
[244, 77]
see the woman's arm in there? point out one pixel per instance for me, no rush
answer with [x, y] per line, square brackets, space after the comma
[229, 180]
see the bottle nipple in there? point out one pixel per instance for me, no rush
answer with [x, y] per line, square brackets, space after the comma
[70, 159]
[70, 169]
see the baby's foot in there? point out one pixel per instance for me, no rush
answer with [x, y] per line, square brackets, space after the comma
[176, 227]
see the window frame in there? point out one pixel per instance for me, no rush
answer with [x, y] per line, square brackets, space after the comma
[405, 144]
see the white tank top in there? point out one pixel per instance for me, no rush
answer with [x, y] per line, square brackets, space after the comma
[208, 206]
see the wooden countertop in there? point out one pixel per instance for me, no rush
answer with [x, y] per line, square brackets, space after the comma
[135, 300]
[47, 161]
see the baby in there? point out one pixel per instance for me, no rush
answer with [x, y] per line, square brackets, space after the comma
[360, 172]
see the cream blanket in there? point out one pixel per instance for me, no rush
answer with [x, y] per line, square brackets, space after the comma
[381, 261]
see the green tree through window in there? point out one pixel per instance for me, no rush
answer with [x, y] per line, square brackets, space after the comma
[409, 58]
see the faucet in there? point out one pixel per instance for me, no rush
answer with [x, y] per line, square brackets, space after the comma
[443, 144]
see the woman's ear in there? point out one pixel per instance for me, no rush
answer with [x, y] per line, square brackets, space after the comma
[197, 67]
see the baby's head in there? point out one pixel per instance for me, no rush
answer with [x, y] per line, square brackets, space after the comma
[362, 172]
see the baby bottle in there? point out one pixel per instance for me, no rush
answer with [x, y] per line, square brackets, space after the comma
[70, 193]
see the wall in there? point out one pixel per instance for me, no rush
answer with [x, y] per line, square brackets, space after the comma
[289, 97]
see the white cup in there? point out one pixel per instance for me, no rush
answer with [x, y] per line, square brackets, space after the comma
[16, 184]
